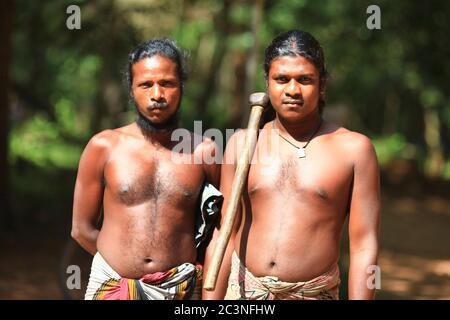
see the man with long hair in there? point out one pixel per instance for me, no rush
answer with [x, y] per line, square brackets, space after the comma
[145, 248]
[286, 238]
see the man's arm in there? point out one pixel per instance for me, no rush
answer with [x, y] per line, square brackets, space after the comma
[88, 193]
[227, 174]
[364, 219]
[211, 160]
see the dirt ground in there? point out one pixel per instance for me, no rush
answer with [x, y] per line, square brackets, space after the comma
[414, 256]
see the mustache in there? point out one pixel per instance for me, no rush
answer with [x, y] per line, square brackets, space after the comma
[157, 105]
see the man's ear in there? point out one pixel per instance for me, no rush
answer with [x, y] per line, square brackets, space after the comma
[322, 88]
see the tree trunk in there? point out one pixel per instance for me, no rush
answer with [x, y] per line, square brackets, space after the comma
[101, 110]
[435, 161]
[6, 14]
[252, 59]
[222, 27]
[391, 113]
[239, 96]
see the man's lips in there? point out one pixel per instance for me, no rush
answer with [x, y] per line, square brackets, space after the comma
[293, 102]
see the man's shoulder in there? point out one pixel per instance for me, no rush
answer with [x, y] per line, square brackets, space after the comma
[208, 143]
[234, 143]
[104, 138]
[107, 138]
[352, 142]
[199, 144]
[204, 144]
[237, 136]
[354, 139]
[347, 134]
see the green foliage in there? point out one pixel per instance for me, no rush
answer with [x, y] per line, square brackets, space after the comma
[241, 14]
[46, 143]
[70, 82]
[446, 174]
[241, 41]
[431, 97]
[393, 146]
[42, 143]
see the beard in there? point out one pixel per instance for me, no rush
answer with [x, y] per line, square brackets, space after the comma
[149, 126]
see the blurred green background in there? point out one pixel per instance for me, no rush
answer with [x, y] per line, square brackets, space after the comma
[58, 87]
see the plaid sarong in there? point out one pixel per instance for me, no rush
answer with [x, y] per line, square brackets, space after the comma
[243, 285]
[179, 283]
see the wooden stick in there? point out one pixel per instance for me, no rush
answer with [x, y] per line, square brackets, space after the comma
[258, 101]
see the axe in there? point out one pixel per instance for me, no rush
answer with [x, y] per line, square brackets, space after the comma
[258, 102]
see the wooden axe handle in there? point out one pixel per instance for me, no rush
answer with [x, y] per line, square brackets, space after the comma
[258, 101]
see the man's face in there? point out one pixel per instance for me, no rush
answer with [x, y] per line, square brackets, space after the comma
[293, 87]
[156, 88]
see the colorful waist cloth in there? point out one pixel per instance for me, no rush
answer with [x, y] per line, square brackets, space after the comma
[243, 285]
[179, 283]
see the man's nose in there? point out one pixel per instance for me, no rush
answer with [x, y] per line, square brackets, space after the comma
[293, 89]
[156, 92]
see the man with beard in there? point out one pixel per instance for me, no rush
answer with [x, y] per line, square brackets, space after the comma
[149, 193]
[286, 239]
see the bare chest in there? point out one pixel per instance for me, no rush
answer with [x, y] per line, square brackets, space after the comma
[320, 175]
[134, 178]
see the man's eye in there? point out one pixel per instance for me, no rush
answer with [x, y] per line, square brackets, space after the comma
[168, 84]
[145, 85]
[305, 79]
[281, 79]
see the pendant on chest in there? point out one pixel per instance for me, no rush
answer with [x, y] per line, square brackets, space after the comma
[301, 153]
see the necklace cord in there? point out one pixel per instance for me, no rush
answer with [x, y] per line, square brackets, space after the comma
[307, 142]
